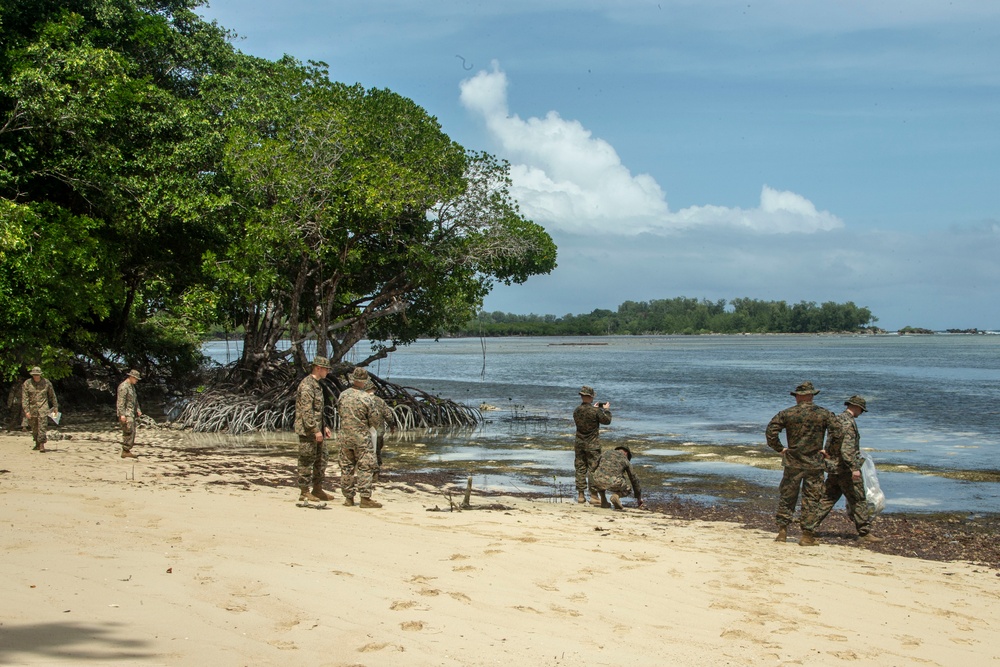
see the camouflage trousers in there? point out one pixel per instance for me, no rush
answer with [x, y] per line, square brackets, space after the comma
[128, 435]
[313, 459]
[585, 463]
[840, 484]
[810, 482]
[39, 429]
[357, 469]
[621, 486]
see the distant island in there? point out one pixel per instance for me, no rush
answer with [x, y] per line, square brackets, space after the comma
[683, 315]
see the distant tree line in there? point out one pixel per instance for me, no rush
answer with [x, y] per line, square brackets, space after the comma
[682, 315]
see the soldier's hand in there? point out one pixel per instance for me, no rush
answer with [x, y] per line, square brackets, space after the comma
[319, 436]
[123, 419]
[856, 475]
[138, 413]
[327, 432]
[27, 414]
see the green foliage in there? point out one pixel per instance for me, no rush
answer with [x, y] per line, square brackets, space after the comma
[681, 315]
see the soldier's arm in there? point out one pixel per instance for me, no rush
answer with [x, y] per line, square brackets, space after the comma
[53, 402]
[120, 405]
[304, 407]
[773, 430]
[834, 433]
[850, 453]
[25, 399]
[604, 416]
[636, 486]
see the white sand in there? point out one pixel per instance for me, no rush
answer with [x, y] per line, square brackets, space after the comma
[166, 570]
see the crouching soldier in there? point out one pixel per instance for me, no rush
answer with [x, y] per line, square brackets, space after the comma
[614, 473]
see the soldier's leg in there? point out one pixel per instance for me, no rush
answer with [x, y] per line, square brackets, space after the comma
[788, 496]
[33, 421]
[319, 464]
[621, 487]
[307, 461]
[831, 494]
[348, 463]
[812, 493]
[857, 507]
[128, 435]
[580, 466]
[366, 471]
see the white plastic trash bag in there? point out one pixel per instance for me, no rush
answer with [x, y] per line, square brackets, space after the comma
[55, 416]
[873, 492]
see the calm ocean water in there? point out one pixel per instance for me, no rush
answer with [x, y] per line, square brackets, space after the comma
[932, 425]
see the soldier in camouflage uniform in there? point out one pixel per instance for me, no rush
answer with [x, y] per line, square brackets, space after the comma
[387, 418]
[314, 454]
[128, 411]
[38, 399]
[358, 415]
[588, 417]
[614, 473]
[844, 476]
[804, 424]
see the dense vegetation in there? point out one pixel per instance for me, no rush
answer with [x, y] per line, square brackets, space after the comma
[682, 315]
[156, 182]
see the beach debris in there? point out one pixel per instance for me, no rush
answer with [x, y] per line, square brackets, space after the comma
[312, 505]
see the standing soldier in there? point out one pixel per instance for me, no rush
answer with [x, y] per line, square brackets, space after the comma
[804, 424]
[38, 400]
[588, 417]
[845, 477]
[128, 411]
[358, 415]
[386, 415]
[614, 473]
[314, 454]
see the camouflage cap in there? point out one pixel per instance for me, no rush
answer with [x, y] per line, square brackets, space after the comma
[586, 391]
[858, 401]
[805, 389]
[135, 374]
[359, 374]
[321, 362]
[35, 371]
[628, 452]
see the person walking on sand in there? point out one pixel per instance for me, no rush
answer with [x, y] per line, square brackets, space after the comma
[805, 425]
[358, 415]
[614, 473]
[314, 455]
[844, 476]
[38, 399]
[128, 411]
[587, 448]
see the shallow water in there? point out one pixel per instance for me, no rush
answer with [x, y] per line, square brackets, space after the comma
[694, 409]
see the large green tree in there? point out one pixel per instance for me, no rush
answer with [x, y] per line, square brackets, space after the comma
[361, 219]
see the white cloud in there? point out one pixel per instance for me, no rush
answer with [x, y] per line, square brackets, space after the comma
[566, 178]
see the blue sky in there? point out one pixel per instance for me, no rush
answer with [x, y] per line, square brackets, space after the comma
[791, 150]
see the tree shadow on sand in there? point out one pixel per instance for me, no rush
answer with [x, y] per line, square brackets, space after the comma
[72, 642]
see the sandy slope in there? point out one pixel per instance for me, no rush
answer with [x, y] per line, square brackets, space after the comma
[115, 562]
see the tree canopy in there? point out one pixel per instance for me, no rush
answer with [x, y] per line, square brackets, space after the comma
[155, 181]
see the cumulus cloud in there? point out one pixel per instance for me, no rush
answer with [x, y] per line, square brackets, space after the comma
[566, 178]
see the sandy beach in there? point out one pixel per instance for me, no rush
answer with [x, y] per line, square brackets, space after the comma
[187, 558]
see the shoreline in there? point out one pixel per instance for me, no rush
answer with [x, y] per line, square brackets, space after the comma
[185, 556]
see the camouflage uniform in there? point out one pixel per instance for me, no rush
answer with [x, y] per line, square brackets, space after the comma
[38, 399]
[614, 474]
[358, 415]
[128, 407]
[385, 418]
[313, 456]
[588, 418]
[843, 461]
[805, 425]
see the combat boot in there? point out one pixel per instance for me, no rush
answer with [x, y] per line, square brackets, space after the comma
[579, 495]
[127, 454]
[808, 539]
[305, 496]
[595, 499]
[320, 493]
[616, 502]
[368, 503]
[349, 502]
[868, 538]
[782, 535]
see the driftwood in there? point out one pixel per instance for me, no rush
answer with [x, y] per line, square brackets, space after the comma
[223, 407]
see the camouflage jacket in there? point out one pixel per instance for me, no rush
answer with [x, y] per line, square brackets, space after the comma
[309, 402]
[614, 465]
[848, 455]
[38, 399]
[588, 418]
[385, 413]
[358, 414]
[128, 400]
[804, 425]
